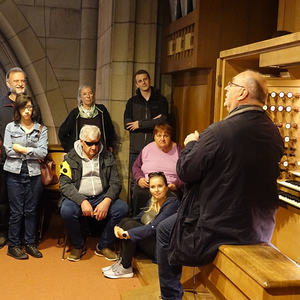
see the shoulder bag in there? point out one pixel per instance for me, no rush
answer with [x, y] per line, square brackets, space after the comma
[48, 168]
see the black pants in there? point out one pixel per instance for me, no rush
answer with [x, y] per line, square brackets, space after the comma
[128, 247]
[140, 199]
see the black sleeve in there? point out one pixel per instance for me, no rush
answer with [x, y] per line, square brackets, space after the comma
[150, 123]
[128, 113]
[65, 131]
[110, 133]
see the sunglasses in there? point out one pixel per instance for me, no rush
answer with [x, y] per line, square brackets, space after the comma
[90, 144]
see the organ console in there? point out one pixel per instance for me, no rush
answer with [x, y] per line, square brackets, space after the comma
[282, 105]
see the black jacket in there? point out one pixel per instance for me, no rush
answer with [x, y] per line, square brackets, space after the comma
[6, 116]
[231, 193]
[137, 108]
[108, 174]
[69, 130]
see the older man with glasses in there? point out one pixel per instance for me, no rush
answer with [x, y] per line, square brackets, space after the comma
[16, 84]
[90, 185]
[230, 171]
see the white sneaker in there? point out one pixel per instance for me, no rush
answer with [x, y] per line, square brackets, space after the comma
[119, 272]
[113, 266]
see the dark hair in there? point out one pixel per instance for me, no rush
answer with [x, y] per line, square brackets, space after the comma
[139, 72]
[158, 174]
[163, 127]
[21, 101]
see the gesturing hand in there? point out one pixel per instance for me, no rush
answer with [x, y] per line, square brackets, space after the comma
[191, 137]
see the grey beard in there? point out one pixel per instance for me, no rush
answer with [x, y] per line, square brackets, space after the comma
[14, 91]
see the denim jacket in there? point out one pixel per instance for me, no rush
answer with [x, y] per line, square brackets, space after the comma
[36, 148]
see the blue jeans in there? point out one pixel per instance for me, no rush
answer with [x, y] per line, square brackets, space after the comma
[71, 214]
[24, 193]
[169, 275]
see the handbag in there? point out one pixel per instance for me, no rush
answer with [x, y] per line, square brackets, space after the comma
[48, 168]
[48, 171]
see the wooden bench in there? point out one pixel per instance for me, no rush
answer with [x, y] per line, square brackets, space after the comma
[251, 272]
[238, 272]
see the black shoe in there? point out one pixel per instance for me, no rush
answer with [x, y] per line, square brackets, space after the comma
[3, 241]
[16, 252]
[33, 251]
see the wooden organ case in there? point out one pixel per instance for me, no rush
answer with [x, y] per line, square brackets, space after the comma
[279, 60]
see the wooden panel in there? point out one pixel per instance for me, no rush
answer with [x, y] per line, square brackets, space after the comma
[219, 285]
[262, 46]
[287, 232]
[288, 15]
[178, 112]
[264, 264]
[280, 57]
[192, 107]
[195, 40]
[240, 278]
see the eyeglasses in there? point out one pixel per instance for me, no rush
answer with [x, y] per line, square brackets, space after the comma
[230, 83]
[156, 174]
[90, 144]
[29, 107]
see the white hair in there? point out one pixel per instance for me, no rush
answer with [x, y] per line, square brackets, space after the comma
[89, 131]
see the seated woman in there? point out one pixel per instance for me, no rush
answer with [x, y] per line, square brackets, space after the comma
[87, 113]
[141, 230]
[160, 155]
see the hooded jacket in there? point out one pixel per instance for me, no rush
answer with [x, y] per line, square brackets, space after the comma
[71, 174]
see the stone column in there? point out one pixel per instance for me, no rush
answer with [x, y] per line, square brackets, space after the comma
[127, 32]
[88, 42]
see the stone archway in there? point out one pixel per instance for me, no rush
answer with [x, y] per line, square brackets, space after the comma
[19, 46]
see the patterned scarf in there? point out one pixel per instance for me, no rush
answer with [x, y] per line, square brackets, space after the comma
[88, 114]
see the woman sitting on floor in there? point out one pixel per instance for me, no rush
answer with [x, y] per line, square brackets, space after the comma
[141, 231]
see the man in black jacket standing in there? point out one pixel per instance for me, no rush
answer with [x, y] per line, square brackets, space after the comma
[16, 83]
[143, 111]
[231, 194]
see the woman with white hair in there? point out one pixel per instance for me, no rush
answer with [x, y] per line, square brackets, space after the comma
[87, 113]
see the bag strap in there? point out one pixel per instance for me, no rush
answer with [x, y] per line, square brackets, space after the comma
[40, 130]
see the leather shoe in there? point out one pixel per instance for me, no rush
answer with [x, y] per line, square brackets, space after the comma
[33, 251]
[16, 252]
[3, 241]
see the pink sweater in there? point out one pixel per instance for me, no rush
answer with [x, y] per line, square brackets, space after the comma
[152, 159]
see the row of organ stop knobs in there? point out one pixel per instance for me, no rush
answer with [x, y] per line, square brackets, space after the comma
[288, 158]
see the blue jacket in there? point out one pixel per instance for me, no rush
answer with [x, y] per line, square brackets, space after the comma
[168, 208]
[36, 148]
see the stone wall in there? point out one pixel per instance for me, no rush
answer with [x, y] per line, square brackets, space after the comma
[53, 35]
[98, 42]
[127, 33]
